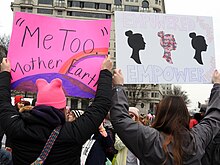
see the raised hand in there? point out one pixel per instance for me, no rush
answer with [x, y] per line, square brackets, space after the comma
[107, 63]
[117, 78]
[216, 77]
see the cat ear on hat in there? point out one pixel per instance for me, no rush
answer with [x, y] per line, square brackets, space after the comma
[56, 82]
[41, 83]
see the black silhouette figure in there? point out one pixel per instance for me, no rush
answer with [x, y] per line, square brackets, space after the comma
[199, 44]
[136, 42]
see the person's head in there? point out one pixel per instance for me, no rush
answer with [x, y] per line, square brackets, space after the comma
[197, 116]
[134, 113]
[203, 110]
[171, 115]
[50, 94]
[72, 115]
[172, 119]
[18, 102]
[18, 99]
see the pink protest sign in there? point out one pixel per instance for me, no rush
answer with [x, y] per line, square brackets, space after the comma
[49, 47]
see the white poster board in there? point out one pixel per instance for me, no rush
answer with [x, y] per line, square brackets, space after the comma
[161, 48]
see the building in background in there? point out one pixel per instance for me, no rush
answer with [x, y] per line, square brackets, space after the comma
[144, 97]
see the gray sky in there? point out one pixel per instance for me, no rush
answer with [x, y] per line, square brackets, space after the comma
[184, 7]
[6, 17]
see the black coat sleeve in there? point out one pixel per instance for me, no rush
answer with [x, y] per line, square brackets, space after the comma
[88, 123]
[7, 110]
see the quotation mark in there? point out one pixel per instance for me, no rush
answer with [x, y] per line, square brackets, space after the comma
[20, 20]
[104, 31]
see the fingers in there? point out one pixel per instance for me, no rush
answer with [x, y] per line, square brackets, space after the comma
[117, 78]
[120, 72]
[117, 71]
[108, 57]
[107, 63]
[215, 74]
[5, 60]
[216, 77]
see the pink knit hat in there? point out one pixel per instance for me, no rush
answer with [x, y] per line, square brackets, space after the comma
[50, 94]
[135, 111]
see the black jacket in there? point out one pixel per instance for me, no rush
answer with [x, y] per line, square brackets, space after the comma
[29, 132]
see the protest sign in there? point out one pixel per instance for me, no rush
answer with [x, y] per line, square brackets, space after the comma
[153, 48]
[49, 47]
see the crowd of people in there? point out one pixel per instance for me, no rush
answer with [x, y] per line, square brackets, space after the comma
[109, 131]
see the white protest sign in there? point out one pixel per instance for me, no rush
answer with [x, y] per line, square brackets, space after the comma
[162, 48]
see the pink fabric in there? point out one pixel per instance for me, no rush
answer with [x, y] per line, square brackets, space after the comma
[51, 94]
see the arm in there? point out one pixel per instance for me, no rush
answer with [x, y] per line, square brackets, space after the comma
[6, 108]
[208, 128]
[90, 121]
[139, 139]
[5, 80]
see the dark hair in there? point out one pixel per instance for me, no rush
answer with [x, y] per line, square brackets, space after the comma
[197, 116]
[172, 119]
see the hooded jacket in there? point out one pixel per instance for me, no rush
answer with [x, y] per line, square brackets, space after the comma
[146, 142]
[29, 131]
